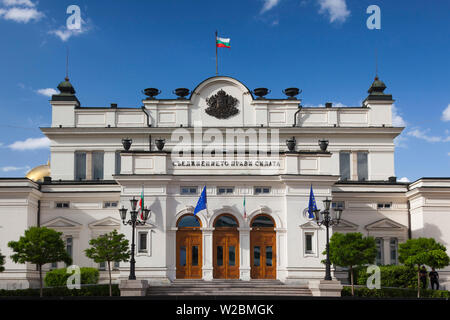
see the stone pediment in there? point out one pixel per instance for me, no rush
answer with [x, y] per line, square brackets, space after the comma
[385, 224]
[107, 222]
[309, 225]
[346, 225]
[61, 222]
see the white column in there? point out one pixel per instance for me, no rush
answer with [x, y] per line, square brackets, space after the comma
[244, 253]
[281, 253]
[207, 239]
[172, 256]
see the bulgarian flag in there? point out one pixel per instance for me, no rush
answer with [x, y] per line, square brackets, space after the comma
[223, 42]
[245, 210]
[141, 203]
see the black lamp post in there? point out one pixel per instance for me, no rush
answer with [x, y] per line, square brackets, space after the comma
[328, 221]
[133, 222]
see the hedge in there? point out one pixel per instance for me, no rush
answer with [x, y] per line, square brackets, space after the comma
[395, 293]
[58, 277]
[397, 276]
[86, 291]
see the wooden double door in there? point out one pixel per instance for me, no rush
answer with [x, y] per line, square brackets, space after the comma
[263, 254]
[226, 254]
[189, 254]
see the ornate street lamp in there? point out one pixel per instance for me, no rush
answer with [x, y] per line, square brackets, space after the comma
[328, 221]
[133, 222]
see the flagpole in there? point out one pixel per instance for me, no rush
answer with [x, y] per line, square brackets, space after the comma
[215, 43]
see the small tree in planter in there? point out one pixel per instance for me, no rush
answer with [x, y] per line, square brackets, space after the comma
[40, 246]
[109, 248]
[423, 251]
[2, 263]
[351, 250]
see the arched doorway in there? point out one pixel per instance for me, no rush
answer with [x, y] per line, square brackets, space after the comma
[263, 248]
[189, 248]
[226, 247]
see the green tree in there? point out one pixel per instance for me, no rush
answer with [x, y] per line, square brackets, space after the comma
[109, 248]
[2, 263]
[423, 251]
[40, 246]
[351, 250]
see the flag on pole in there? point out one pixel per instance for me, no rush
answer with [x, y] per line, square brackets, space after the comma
[245, 210]
[222, 42]
[141, 203]
[312, 204]
[201, 203]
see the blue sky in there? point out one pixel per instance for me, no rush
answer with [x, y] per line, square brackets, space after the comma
[321, 46]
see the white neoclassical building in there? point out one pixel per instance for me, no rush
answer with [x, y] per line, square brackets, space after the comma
[242, 147]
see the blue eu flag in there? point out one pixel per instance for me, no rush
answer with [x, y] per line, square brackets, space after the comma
[312, 204]
[201, 203]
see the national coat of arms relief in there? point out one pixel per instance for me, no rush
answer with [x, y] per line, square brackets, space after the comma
[222, 105]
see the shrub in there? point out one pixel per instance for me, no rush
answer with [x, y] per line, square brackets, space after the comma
[397, 276]
[394, 293]
[58, 277]
[86, 291]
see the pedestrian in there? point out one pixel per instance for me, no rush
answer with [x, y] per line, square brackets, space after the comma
[434, 279]
[423, 277]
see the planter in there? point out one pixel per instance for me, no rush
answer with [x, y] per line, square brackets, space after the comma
[291, 143]
[261, 92]
[126, 142]
[151, 92]
[291, 92]
[181, 93]
[323, 144]
[160, 144]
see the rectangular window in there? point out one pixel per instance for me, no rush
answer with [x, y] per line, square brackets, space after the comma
[225, 190]
[118, 162]
[363, 171]
[195, 255]
[188, 190]
[344, 165]
[183, 256]
[69, 246]
[110, 204]
[54, 265]
[102, 266]
[231, 256]
[380, 252]
[394, 249]
[62, 205]
[384, 205]
[268, 256]
[256, 256]
[142, 241]
[338, 205]
[97, 165]
[80, 165]
[219, 255]
[308, 243]
[116, 265]
[262, 190]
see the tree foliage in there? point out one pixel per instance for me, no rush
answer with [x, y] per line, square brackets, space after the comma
[2, 262]
[350, 250]
[109, 248]
[40, 245]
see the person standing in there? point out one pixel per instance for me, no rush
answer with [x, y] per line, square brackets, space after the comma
[434, 279]
[423, 277]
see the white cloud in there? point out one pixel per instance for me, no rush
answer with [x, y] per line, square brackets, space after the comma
[404, 179]
[22, 15]
[30, 144]
[397, 120]
[337, 9]
[48, 92]
[65, 34]
[269, 4]
[11, 3]
[399, 142]
[12, 168]
[422, 134]
[446, 114]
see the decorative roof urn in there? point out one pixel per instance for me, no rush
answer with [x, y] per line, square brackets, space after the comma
[291, 92]
[182, 93]
[160, 143]
[126, 142]
[291, 143]
[151, 93]
[261, 92]
[323, 145]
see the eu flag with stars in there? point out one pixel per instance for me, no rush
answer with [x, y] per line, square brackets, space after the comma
[312, 204]
[201, 203]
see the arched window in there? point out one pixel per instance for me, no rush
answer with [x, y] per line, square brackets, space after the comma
[263, 221]
[188, 221]
[226, 221]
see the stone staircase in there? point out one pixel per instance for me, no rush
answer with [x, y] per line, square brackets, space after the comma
[219, 287]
